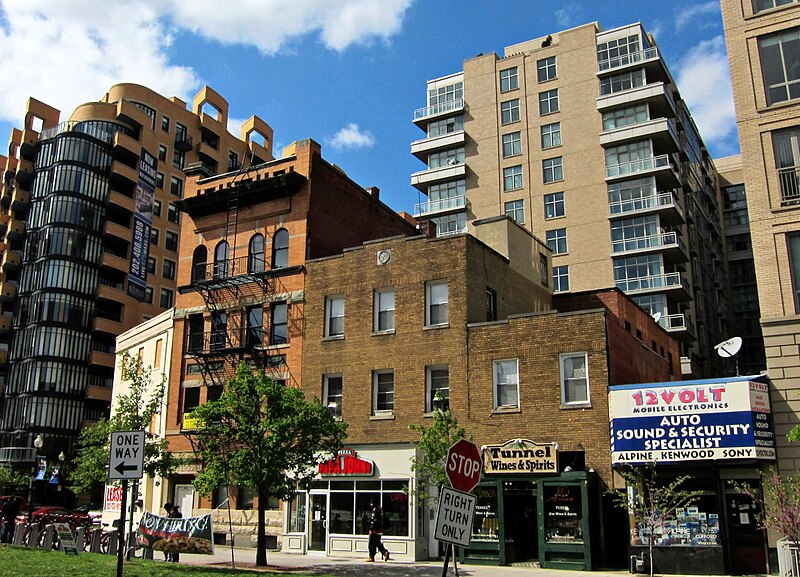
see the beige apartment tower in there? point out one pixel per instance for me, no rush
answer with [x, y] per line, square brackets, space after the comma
[763, 40]
[583, 138]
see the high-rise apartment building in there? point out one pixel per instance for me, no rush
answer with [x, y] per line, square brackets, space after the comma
[90, 245]
[762, 37]
[583, 138]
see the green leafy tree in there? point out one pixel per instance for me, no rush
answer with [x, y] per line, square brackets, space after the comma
[265, 436]
[12, 481]
[651, 501]
[133, 411]
[434, 441]
[780, 505]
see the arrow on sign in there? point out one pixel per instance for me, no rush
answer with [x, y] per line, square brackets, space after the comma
[122, 467]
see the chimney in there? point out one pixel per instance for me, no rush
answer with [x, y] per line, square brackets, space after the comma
[427, 228]
[374, 191]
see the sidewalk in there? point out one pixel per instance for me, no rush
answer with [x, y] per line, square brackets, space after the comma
[317, 564]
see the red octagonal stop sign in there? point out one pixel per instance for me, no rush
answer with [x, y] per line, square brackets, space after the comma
[463, 465]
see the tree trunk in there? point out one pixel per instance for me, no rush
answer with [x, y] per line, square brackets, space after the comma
[650, 549]
[261, 537]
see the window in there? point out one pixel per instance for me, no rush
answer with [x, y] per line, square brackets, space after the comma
[255, 326]
[199, 260]
[334, 316]
[621, 82]
[233, 160]
[793, 243]
[148, 295]
[786, 146]
[560, 279]
[512, 178]
[171, 241]
[176, 186]
[162, 152]
[509, 111]
[154, 236]
[160, 180]
[151, 264]
[554, 205]
[618, 52]
[165, 124]
[167, 298]
[516, 210]
[384, 310]
[436, 303]
[383, 391]
[156, 207]
[625, 116]
[178, 158]
[548, 101]
[191, 399]
[255, 261]
[446, 158]
[437, 382]
[279, 325]
[546, 69]
[509, 79]
[552, 170]
[446, 126]
[780, 65]
[219, 330]
[332, 393]
[512, 145]
[221, 260]
[574, 378]
[157, 354]
[445, 94]
[172, 214]
[761, 5]
[551, 135]
[557, 240]
[168, 270]
[544, 269]
[628, 158]
[506, 383]
[491, 304]
[280, 249]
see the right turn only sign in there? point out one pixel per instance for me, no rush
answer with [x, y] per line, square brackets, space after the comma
[454, 518]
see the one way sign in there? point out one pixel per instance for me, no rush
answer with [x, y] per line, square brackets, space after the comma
[126, 460]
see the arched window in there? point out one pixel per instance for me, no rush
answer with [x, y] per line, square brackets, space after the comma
[221, 260]
[280, 249]
[255, 261]
[199, 260]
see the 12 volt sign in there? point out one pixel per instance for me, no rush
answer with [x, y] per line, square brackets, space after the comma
[455, 516]
[126, 460]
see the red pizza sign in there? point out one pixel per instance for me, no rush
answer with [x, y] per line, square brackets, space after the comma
[346, 463]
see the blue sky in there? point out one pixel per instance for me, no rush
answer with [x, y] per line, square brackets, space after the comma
[347, 73]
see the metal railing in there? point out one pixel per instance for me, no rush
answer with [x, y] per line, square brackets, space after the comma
[626, 59]
[638, 165]
[660, 240]
[439, 205]
[661, 199]
[441, 108]
[460, 230]
[650, 282]
[788, 559]
[229, 268]
[790, 185]
[17, 455]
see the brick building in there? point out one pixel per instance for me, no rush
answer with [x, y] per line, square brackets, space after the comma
[469, 321]
[245, 239]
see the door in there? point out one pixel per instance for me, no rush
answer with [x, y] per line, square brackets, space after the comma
[184, 499]
[318, 524]
[747, 547]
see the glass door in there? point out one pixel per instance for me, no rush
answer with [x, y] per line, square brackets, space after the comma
[318, 524]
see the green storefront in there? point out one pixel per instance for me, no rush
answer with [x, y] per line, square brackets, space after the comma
[529, 512]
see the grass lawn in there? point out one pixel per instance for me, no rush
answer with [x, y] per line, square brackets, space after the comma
[24, 562]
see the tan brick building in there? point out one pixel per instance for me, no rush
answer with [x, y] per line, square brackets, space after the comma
[761, 37]
[582, 136]
[468, 321]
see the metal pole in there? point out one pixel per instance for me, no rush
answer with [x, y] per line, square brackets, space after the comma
[121, 529]
[448, 548]
[134, 495]
[230, 527]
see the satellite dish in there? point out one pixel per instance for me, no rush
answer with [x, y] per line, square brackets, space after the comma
[729, 348]
[656, 316]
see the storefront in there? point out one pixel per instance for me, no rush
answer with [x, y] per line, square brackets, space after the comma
[717, 431]
[332, 518]
[528, 511]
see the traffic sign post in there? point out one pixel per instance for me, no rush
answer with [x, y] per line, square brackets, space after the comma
[125, 462]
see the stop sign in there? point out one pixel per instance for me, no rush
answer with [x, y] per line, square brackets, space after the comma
[463, 465]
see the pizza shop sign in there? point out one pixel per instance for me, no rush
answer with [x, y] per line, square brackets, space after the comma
[346, 463]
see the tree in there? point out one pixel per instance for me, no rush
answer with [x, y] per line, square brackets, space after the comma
[12, 481]
[434, 441]
[265, 436]
[650, 502]
[781, 503]
[133, 411]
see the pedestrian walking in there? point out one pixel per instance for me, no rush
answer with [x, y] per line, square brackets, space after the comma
[376, 525]
[174, 513]
[9, 514]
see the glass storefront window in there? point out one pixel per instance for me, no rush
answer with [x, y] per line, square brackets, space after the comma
[696, 525]
[563, 517]
[341, 513]
[486, 526]
[297, 514]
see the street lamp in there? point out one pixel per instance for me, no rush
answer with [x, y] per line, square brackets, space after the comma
[61, 475]
[37, 444]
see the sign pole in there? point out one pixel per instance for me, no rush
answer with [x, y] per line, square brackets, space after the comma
[121, 529]
[448, 548]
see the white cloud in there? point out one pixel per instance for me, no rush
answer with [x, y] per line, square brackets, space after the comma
[690, 15]
[704, 81]
[351, 137]
[565, 16]
[68, 52]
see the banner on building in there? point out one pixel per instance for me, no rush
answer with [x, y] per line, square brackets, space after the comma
[41, 468]
[520, 456]
[708, 419]
[55, 475]
[142, 223]
[189, 535]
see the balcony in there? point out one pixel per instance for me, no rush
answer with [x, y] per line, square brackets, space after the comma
[421, 148]
[109, 326]
[96, 393]
[668, 243]
[441, 205]
[101, 358]
[11, 260]
[789, 179]
[120, 170]
[15, 229]
[17, 455]
[656, 94]
[3, 358]
[225, 340]
[679, 325]
[4, 218]
[442, 109]
[663, 203]
[627, 60]
[423, 178]
[113, 229]
[662, 131]
[652, 283]
[8, 291]
[120, 200]
[660, 166]
[183, 141]
[5, 324]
